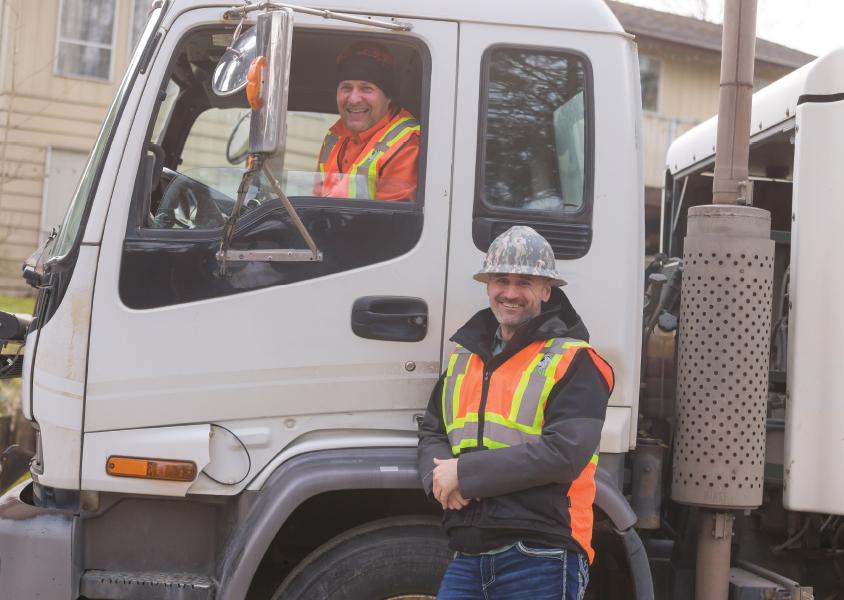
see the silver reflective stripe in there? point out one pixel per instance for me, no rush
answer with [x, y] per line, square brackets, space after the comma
[458, 362]
[327, 147]
[495, 435]
[533, 391]
[469, 431]
[540, 381]
[507, 435]
[360, 184]
[559, 345]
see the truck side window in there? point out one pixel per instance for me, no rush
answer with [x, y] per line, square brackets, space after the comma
[196, 149]
[203, 139]
[534, 147]
[534, 131]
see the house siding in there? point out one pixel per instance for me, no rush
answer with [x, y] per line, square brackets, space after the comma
[40, 110]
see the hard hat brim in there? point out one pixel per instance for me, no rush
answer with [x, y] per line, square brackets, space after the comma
[484, 277]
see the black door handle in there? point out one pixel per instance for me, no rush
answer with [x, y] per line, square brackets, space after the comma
[390, 318]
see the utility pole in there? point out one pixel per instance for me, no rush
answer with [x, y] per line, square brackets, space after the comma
[725, 322]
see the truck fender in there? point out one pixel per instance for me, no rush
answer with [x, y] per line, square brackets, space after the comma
[293, 483]
[308, 475]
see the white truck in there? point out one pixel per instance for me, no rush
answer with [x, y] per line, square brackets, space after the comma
[248, 434]
[226, 374]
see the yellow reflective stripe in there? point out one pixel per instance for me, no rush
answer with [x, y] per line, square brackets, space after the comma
[372, 173]
[520, 389]
[492, 444]
[465, 443]
[563, 344]
[451, 361]
[458, 361]
[473, 443]
[370, 161]
[353, 185]
[469, 418]
[385, 135]
[495, 418]
[550, 380]
[594, 460]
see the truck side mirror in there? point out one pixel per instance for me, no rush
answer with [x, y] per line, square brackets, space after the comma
[267, 87]
[268, 83]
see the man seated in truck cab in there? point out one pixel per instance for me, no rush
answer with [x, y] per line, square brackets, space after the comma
[371, 152]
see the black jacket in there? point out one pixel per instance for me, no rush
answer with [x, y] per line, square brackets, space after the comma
[522, 489]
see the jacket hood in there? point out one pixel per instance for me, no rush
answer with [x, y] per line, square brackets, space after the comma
[558, 319]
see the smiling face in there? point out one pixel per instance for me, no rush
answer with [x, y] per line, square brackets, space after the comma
[361, 104]
[516, 299]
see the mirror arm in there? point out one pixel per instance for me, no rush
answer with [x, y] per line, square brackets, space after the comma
[241, 11]
[254, 164]
[224, 255]
[294, 216]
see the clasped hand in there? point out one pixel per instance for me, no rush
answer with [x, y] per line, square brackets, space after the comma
[446, 485]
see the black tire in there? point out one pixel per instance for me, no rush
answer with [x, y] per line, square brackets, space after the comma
[390, 558]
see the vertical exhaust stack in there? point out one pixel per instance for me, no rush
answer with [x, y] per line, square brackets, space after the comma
[725, 322]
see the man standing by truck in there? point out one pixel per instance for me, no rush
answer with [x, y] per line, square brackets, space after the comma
[371, 152]
[509, 442]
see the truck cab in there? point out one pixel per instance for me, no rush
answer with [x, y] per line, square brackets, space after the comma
[231, 429]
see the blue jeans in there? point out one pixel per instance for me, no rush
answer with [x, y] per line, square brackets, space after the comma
[518, 573]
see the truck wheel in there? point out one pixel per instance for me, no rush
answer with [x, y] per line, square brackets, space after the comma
[391, 559]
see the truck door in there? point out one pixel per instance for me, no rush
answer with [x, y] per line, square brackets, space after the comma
[274, 352]
[548, 138]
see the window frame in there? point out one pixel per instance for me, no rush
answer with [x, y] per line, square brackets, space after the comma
[110, 47]
[482, 207]
[136, 229]
[659, 62]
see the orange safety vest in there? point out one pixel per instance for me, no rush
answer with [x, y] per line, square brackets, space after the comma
[514, 413]
[361, 180]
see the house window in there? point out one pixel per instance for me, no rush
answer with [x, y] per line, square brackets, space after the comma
[64, 170]
[140, 9]
[649, 72]
[85, 41]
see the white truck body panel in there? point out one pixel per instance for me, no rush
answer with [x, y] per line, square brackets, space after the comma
[58, 377]
[814, 445]
[773, 107]
[185, 443]
[572, 15]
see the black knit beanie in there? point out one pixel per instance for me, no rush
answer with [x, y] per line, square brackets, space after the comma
[368, 61]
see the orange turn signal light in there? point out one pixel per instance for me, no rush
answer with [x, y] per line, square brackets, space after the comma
[151, 468]
[255, 82]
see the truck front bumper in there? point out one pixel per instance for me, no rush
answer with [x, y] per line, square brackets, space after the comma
[37, 558]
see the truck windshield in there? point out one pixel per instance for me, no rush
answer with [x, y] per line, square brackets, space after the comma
[70, 230]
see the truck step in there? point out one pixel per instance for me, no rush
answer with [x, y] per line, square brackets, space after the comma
[146, 585]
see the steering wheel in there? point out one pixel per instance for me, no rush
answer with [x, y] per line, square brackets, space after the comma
[188, 204]
[237, 154]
